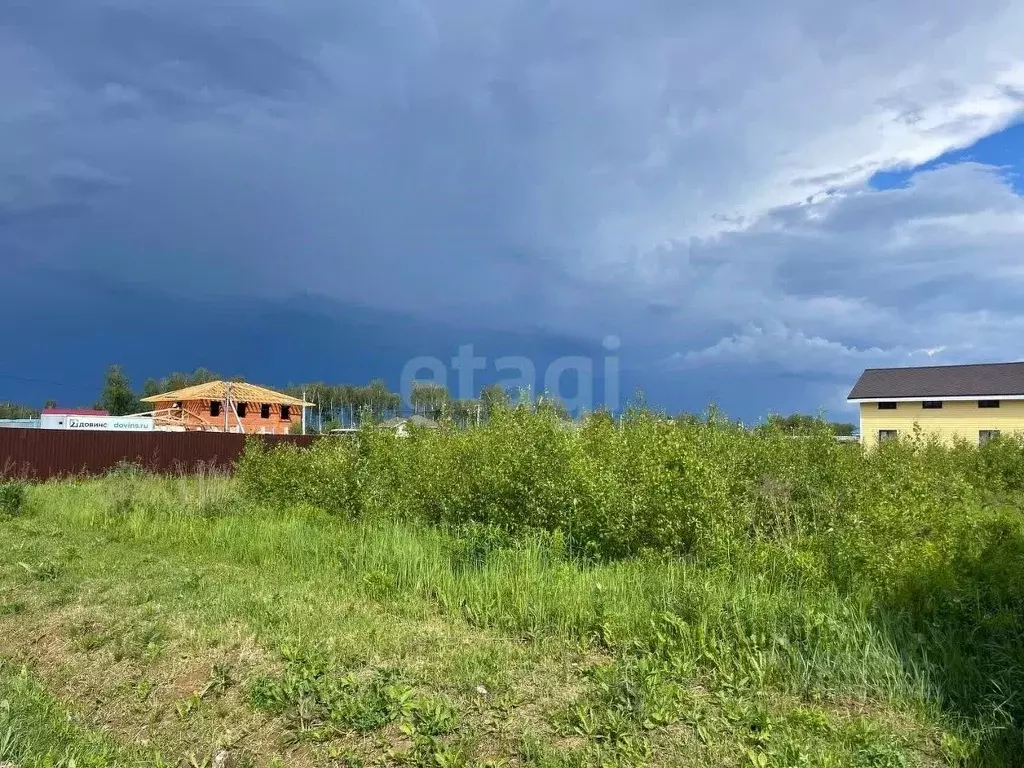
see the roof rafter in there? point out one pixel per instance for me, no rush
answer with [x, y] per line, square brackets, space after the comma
[239, 392]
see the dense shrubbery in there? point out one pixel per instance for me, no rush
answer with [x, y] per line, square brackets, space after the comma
[708, 489]
[327, 477]
[930, 536]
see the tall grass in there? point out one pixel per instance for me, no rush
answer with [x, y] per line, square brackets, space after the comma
[897, 573]
[753, 587]
[748, 626]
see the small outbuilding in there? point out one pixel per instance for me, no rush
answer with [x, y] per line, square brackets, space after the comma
[227, 406]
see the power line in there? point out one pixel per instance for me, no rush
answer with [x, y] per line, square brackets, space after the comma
[36, 381]
[69, 390]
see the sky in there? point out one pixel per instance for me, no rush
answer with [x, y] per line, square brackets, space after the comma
[752, 201]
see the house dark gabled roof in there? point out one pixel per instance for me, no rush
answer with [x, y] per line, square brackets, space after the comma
[983, 380]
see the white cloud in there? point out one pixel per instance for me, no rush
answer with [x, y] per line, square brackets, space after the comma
[719, 116]
[840, 285]
[791, 349]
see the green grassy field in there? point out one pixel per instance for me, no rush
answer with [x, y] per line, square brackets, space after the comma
[175, 627]
[202, 621]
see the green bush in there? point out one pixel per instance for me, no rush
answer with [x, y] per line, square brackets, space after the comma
[703, 488]
[324, 475]
[12, 498]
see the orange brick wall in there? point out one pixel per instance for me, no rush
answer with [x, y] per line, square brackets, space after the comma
[252, 423]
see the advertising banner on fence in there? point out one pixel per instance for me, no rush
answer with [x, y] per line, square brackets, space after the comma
[102, 423]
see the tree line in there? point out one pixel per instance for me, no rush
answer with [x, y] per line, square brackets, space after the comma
[10, 410]
[352, 405]
[801, 424]
[794, 424]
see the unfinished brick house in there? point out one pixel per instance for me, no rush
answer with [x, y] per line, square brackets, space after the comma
[226, 406]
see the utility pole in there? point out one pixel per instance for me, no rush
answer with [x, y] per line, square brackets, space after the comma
[303, 411]
[227, 404]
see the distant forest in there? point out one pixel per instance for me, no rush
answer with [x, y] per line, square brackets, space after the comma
[349, 405]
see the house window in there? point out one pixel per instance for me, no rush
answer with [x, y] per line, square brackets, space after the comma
[931, 404]
[988, 403]
[265, 411]
[885, 435]
[241, 409]
[286, 413]
[887, 406]
[215, 407]
[986, 436]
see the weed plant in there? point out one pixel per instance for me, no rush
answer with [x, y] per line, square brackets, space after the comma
[12, 498]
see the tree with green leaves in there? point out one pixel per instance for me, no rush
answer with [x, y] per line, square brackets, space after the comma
[493, 397]
[174, 382]
[346, 402]
[118, 398]
[381, 401]
[152, 387]
[430, 400]
[468, 412]
[203, 376]
[349, 404]
[843, 428]
[179, 380]
[17, 411]
[552, 404]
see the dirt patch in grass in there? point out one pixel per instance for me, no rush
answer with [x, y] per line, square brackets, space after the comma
[186, 702]
[168, 684]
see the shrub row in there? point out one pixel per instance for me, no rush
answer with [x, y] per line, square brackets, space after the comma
[646, 484]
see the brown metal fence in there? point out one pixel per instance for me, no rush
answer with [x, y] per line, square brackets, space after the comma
[40, 454]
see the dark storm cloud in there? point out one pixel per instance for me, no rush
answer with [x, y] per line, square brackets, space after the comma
[170, 53]
[556, 167]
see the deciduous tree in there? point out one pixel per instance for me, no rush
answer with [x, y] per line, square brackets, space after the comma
[118, 398]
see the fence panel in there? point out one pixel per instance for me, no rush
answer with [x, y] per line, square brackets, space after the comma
[40, 454]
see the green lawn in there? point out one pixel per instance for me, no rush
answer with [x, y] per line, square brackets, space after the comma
[146, 620]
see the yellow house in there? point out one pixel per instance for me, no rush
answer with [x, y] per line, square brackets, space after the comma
[975, 402]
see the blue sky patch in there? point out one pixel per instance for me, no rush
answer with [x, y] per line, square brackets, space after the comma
[1004, 149]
